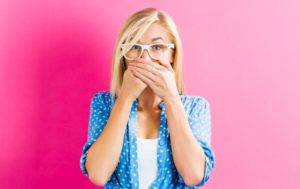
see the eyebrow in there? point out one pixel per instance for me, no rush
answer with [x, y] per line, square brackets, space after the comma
[157, 38]
[154, 39]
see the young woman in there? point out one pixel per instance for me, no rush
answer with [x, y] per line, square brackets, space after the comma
[144, 132]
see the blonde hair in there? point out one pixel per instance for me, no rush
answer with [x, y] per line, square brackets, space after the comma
[138, 23]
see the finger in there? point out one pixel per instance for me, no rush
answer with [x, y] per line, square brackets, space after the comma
[142, 77]
[149, 62]
[148, 68]
[147, 74]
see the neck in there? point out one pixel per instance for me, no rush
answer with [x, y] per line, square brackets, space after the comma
[148, 101]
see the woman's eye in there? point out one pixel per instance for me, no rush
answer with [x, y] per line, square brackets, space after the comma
[156, 47]
[135, 47]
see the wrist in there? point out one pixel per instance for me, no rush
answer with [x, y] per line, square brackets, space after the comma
[126, 97]
[171, 98]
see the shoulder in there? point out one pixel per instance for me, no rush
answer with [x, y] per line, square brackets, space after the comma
[101, 98]
[195, 106]
[193, 100]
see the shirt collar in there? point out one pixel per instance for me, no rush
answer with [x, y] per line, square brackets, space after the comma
[161, 104]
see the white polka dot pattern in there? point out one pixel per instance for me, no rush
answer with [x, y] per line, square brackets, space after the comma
[126, 172]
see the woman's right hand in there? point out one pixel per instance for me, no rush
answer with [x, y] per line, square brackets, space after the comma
[132, 86]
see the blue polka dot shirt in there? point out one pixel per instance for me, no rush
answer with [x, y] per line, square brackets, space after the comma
[126, 172]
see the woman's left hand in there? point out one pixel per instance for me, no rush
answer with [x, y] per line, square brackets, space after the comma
[161, 79]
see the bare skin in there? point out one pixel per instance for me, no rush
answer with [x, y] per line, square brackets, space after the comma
[148, 119]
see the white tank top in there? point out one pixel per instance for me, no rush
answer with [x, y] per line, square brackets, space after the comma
[147, 161]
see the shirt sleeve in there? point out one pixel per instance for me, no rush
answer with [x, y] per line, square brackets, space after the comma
[99, 114]
[199, 120]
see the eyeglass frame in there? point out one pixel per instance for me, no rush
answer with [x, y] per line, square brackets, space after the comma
[146, 47]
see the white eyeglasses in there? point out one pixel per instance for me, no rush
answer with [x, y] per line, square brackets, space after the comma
[156, 51]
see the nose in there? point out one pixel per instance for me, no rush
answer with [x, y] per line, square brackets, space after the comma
[146, 55]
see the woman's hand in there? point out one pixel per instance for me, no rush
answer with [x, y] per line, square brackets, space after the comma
[161, 79]
[132, 86]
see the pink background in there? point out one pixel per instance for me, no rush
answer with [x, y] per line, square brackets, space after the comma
[243, 56]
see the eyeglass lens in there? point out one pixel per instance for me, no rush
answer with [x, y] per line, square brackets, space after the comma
[156, 51]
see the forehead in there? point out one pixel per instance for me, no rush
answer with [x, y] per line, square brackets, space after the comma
[154, 33]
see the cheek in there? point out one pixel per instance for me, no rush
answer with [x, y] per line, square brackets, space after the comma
[170, 56]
